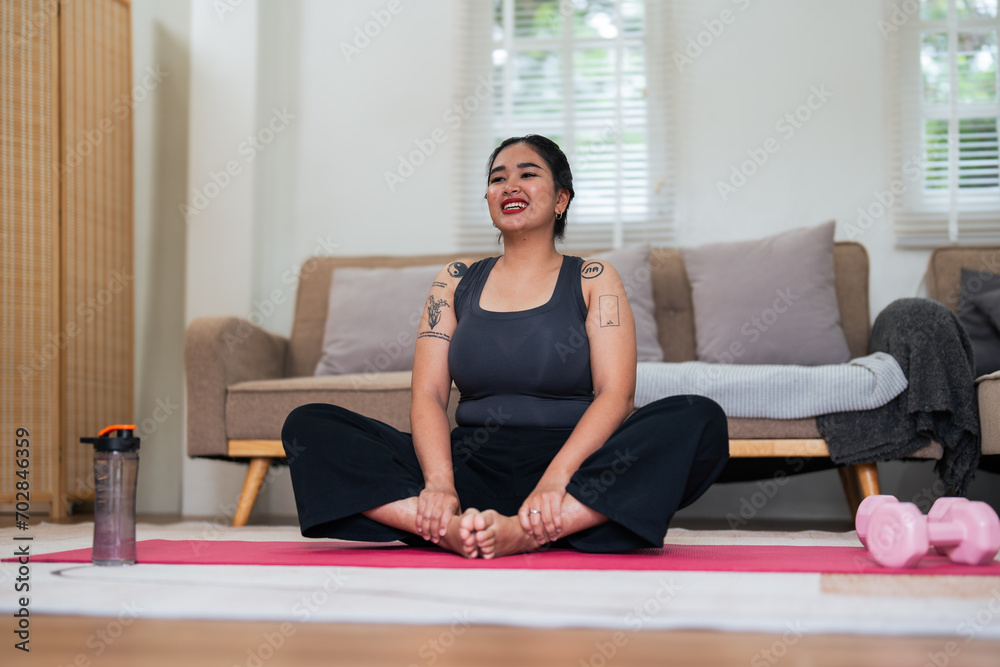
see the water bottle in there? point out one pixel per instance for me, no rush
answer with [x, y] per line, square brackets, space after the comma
[116, 465]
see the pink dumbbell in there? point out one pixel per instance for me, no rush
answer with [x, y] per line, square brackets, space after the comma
[899, 535]
[939, 509]
[871, 503]
[865, 511]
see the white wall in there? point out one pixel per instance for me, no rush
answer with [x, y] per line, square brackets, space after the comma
[221, 193]
[765, 64]
[160, 125]
[319, 186]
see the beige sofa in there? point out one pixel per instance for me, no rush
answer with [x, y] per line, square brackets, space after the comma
[944, 280]
[242, 381]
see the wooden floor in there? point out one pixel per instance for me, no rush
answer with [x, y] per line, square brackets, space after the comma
[61, 640]
[58, 641]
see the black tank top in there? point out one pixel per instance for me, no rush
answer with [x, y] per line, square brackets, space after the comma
[528, 368]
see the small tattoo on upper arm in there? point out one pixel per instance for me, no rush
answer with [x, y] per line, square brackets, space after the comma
[433, 334]
[438, 283]
[434, 307]
[457, 269]
[592, 269]
[607, 307]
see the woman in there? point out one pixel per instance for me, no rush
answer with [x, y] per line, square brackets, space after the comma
[542, 348]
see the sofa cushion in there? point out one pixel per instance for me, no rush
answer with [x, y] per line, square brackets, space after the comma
[312, 302]
[989, 412]
[944, 270]
[256, 410]
[772, 429]
[979, 312]
[768, 301]
[632, 264]
[372, 319]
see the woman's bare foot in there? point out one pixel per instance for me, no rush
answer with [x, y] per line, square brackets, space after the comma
[459, 538]
[498, 535]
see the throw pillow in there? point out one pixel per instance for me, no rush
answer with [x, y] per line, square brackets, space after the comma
[632, 264]
[769, 301]
[979, 312]
[372, 323]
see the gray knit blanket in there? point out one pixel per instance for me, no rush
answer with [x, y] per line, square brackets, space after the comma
[776, 391]
[940, 403]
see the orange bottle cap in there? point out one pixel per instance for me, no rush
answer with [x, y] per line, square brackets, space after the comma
[115, 427]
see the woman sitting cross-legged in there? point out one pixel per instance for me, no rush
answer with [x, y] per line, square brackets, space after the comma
[542, 348]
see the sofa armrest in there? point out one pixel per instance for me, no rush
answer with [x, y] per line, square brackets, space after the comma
[220, 351]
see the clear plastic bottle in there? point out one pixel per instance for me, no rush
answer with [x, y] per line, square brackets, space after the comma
[116, 467]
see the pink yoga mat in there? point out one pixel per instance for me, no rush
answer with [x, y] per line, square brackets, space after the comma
[725, 558]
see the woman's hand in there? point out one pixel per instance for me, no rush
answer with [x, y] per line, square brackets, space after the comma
[435, 507]
[545, 525]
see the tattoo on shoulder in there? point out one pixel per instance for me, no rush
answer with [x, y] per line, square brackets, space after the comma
[592, 269]
[434, 307]
[608, 310]
[438, 283]
[433, 334]
[457, 269]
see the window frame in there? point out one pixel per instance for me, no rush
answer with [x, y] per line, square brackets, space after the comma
[480, 133]
[922, 217]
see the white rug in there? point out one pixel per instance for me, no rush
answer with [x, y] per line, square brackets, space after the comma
[787, 604]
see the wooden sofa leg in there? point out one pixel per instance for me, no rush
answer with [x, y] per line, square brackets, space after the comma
[868, 479]
[251, 487]
[852, 490]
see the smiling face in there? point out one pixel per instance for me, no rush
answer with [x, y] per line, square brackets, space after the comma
[522, 194]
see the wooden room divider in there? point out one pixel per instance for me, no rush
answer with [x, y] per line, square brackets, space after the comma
[66, 102]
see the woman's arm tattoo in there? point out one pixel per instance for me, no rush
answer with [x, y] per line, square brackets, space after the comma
[608, 310]
[433, 334]
[434, 307]
[592, 269]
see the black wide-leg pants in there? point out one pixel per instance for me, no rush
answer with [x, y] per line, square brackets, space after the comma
[662, 458]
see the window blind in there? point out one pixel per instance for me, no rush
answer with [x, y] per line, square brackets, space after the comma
[943, 116]
[592, 75]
